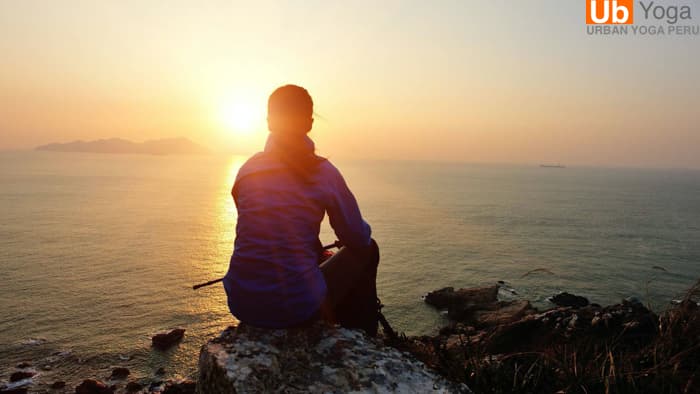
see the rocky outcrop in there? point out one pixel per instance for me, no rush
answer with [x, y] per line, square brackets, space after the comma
[570, 300]
[628, 322]
[478, 306]
[514, 326]
[449, 297]
[624, 344]
[315, 359]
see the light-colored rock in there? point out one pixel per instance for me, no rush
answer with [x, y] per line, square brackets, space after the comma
[316, 359]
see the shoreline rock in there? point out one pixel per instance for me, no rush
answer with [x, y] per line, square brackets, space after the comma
[119, 373]
[93, 386]
[21, 375]
[624, 344]
[507, 326]
[448, 297]
[570, 300]
[59, 384]
[478, 306]
[166, 340]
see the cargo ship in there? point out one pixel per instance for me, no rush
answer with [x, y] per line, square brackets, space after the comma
[552, 166]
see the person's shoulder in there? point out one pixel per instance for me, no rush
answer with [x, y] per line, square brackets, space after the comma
[258, 162]
[252, 160]
[327, 169]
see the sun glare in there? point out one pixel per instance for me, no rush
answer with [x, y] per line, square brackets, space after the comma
[241, 117]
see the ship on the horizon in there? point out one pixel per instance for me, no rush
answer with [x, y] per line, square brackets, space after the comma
[552, 166]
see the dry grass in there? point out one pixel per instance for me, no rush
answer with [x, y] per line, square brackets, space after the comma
[668, 362]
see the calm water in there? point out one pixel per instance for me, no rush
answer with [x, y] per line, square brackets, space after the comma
[98, 252]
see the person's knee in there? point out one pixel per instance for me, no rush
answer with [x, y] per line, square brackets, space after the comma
[368, 254]
[374, 252]
[373, 244]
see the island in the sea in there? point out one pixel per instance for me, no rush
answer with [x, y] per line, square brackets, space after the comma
[167, 146]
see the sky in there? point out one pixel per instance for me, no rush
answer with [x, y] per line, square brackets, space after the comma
[475, 81]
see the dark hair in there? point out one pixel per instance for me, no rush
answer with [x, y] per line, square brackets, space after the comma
[290, 101]
[290, 108]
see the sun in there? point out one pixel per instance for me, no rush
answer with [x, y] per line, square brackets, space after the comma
[240, 116]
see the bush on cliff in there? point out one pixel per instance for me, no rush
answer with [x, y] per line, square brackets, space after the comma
[623, 348]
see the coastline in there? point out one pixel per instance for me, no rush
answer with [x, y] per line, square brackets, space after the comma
[509, 346]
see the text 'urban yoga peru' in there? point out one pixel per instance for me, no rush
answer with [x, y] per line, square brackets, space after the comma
[620, 18]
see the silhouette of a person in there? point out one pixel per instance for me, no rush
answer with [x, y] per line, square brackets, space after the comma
[282, 194]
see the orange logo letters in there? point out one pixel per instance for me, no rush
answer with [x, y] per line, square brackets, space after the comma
[609, 12]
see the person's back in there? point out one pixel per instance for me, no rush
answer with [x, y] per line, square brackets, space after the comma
[282, 195]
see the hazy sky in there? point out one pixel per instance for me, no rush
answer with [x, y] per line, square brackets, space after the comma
[477, 81]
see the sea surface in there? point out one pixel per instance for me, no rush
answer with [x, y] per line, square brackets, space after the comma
[98, 252]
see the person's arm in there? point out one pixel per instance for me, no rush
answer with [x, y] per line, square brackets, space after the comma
[344, 214]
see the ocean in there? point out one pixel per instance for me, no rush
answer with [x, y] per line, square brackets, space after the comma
[98, 252]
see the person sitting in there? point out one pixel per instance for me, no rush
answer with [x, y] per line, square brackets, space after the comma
[276, 276]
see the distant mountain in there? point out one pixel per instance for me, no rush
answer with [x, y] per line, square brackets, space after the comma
[168, 146]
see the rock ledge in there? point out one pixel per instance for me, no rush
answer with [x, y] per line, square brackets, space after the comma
[316, 359]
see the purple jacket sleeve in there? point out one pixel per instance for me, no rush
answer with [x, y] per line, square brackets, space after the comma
[344, 214]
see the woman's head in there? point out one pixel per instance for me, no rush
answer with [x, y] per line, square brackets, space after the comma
[290, 111]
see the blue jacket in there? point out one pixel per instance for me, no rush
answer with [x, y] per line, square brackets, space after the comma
[273, 278]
